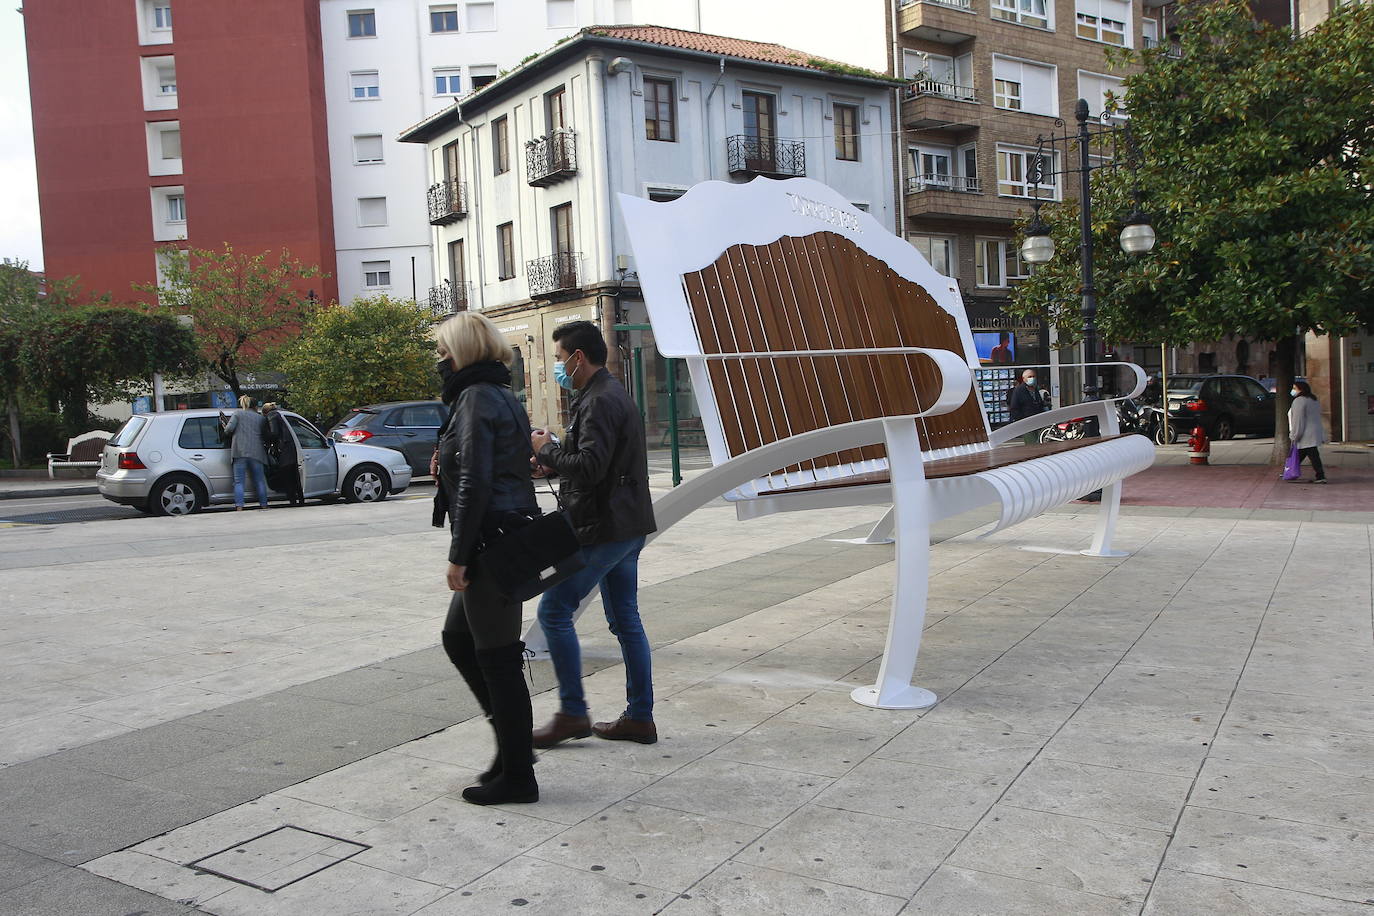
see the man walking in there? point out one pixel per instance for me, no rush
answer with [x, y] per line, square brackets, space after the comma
[1025, 401]
[604, 484]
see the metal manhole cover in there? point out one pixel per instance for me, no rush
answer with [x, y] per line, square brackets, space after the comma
[279, 857]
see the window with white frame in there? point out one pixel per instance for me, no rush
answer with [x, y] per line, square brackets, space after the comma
[947, 77]
[371, 211]
[1094, 87]
[1038, 13]
[1023, 85]
[167, 79]
[365, 84]
[1149, 31]
[1016, 173]
[376, 273]
[367, 148]
[482, 74]
[1107, 21]
[998, 262]
[169, 213]
[362, 24]
[560, 14]
[169, 143]
[937, 250]
[443, 18]
[160, 17]
[481, 16]
[931, 167]
[448, 81]
[164, 147]
[176, 208]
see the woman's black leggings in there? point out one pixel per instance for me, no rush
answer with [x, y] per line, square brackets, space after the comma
[485, 615]
[1311, 455]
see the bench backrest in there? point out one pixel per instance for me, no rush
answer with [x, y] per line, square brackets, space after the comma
[775, 266]
[87, 446]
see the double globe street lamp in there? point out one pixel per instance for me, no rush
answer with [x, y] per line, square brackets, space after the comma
[1137, 235]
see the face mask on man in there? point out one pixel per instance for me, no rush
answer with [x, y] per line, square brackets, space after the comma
[561, 376]
[1030, 380]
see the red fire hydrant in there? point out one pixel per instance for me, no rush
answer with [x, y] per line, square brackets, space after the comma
[1199, 446]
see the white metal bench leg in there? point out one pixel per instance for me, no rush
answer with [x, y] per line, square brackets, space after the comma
[911, 508]
[1106, 524]
[881, 533]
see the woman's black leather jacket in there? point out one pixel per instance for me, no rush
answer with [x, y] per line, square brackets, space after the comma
[484, 466]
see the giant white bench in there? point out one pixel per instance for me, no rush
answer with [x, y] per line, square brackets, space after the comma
[833, 367]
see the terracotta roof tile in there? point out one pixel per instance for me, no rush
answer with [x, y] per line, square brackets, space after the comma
[729, 47]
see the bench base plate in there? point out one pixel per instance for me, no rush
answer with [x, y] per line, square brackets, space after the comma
[1105, 553]
[910, 698]
[862, 541]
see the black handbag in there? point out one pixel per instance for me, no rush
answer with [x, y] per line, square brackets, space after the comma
[529, 554]
[526, 559]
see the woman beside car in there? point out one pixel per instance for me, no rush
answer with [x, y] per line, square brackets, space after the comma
[248, 434]
[484, 483]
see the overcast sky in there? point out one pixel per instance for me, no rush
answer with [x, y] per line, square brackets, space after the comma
[808, 25]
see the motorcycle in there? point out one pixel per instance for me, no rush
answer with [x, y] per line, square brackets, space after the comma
[1145, 420]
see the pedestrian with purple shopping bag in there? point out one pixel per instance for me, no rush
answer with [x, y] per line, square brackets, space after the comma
[1306, 433]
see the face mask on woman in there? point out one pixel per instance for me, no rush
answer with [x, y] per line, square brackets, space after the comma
[1295, 392]
[445, 368]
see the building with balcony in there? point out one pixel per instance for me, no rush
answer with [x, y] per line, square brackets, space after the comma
[637, 110]
[986, 77]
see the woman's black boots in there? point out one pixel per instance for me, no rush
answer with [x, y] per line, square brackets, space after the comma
[509, 698]
[463, 653]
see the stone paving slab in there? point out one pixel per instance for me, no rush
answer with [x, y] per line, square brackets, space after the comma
[1095, 749]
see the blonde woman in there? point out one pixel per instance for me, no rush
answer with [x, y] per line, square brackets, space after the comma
[248, 450]
[482, 486]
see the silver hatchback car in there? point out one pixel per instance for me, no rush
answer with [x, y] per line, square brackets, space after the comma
[174, 464]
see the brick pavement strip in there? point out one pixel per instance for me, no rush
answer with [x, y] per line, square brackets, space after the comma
[1110, 736]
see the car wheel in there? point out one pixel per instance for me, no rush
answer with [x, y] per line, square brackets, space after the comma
[366, 483]
[1223, 429]
[177, 494]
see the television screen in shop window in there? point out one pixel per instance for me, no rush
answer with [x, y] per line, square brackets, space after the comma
[995, 348]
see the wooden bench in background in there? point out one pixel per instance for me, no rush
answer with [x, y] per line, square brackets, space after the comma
[83, 451]
[833, 367]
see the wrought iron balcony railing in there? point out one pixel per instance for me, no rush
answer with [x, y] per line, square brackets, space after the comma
[939, 89]
[551, 158]
[557, 273]
[448, 202]
[765, 156]
[936, 182]
[449, 298]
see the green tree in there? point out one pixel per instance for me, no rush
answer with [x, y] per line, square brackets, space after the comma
[105, 353]
[20, 292]
[1257, 148]
[377, 349]
[242, 305]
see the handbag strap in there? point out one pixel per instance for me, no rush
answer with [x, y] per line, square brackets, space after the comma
[515, 416]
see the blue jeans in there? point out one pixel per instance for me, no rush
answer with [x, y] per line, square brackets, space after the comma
[241, 467]
[615, 567]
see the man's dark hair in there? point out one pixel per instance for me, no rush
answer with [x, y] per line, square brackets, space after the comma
[584, 336]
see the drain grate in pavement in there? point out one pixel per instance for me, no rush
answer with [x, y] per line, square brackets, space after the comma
[279, 857]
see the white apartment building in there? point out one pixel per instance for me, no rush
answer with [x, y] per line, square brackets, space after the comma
[389, 64]
[526, 170]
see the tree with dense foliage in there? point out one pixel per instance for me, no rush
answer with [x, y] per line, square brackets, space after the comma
[59, 357]
[377, 349]
[1257, 147]
[241, 305]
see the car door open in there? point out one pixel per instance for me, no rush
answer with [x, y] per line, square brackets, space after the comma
[319, 464]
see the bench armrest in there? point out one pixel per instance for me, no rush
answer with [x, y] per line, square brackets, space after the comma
[1104, 410]
[956, 379]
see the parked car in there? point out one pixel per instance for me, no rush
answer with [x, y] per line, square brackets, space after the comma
[1224, 405]
[409, 427]
[174, 463]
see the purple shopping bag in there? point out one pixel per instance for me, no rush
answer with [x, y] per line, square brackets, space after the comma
[1291, 468]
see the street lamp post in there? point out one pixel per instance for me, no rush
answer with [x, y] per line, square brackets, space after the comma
[1137, 236]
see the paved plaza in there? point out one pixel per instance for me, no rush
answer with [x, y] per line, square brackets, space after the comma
[249, 714]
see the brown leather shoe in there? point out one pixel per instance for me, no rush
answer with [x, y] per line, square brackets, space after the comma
[642, 731]
[561, 728]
